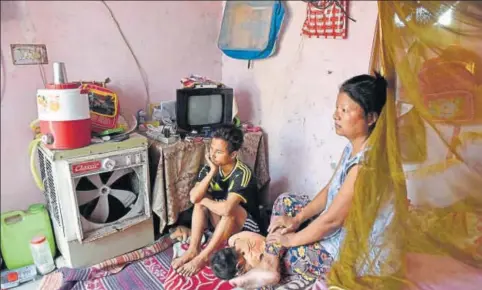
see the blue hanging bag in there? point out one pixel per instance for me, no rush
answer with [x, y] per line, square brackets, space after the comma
[249, 29]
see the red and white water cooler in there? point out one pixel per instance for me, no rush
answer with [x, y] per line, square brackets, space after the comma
[63, 113]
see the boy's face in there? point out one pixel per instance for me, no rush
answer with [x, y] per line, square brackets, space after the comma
[219, 152]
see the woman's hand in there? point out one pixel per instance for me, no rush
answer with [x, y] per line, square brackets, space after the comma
[286, 240]
[285, 223]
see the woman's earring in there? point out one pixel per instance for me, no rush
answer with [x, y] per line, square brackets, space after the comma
[372, 119]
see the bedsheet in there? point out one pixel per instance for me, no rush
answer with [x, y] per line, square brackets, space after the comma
[145, 269]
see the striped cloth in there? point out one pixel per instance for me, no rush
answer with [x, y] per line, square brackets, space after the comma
[145, 269]
[250, 225]
[326, 23]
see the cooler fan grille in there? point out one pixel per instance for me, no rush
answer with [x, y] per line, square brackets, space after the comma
[108, 196]
[50, 192]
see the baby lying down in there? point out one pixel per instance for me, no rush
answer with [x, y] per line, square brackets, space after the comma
[250, 263]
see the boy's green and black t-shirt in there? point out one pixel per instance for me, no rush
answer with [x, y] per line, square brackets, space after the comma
[240, 181]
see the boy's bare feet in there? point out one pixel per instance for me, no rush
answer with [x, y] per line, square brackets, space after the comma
[180, 261]
[193, 266]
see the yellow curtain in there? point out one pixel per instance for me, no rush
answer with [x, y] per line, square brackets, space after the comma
[420, 191]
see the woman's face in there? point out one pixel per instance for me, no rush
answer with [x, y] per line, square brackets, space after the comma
[251, 248]
[349, 117]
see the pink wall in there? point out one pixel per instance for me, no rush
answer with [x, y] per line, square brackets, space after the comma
[170, 38]
[292, 96]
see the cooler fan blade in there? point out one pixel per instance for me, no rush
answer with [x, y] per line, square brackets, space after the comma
[95, 179]
[85, 196]
[76, 182]
[101, 211]
[124, 196]
[117, 174]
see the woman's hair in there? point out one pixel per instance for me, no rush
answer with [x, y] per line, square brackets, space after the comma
[370, 92]
[224, 263]
[232, 135]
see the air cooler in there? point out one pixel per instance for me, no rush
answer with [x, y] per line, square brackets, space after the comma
[98, 199]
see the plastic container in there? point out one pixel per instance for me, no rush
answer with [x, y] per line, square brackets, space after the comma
[17, 230]
[64, 116]
[42, 257]
[13, 278]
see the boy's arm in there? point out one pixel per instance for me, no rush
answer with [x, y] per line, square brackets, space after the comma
[236, 196]
[222, 208]
[201, 187]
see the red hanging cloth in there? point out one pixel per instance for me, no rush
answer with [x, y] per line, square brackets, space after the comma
[326, 18]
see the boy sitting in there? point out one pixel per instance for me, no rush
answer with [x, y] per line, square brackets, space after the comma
[226, 193]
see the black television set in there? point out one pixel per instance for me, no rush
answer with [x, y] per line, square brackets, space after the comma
[203, 109]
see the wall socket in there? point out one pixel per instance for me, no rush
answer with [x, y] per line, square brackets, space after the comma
[28, 54]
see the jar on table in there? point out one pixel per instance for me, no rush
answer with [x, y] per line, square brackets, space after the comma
[41, 254]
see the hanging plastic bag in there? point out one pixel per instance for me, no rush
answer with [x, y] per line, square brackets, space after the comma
[249, 29]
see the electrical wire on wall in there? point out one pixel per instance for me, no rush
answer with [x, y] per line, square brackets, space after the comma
[141, 69]
[29, 32]
[42, 74]
[4, 78]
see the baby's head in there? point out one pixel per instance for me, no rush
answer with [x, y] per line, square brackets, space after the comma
[245, 252]
[226, 263]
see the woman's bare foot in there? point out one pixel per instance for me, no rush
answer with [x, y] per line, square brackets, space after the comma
[193, 266]
[256, 278]
[188, 256]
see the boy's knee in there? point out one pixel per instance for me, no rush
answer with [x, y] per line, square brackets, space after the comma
[236, 218]
[229, 218]
[201, 207]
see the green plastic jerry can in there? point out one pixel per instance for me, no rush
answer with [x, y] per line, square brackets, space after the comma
[18, 228]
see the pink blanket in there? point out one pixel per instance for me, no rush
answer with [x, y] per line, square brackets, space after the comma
[150, 267]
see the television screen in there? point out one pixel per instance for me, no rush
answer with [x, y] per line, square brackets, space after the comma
[205, 109]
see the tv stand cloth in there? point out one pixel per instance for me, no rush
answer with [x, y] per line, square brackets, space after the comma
[174, 169]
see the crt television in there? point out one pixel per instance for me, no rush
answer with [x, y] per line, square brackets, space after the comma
[203, 108]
